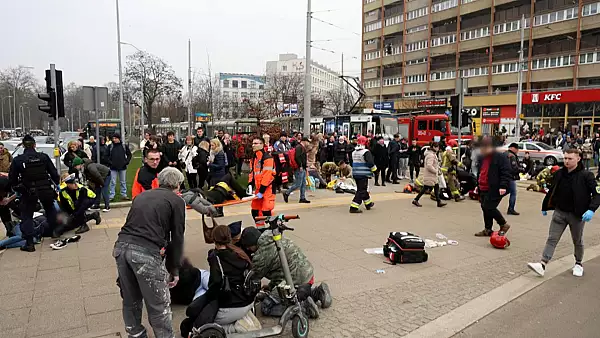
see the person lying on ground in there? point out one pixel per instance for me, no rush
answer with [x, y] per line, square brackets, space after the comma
[225, 190]
[41, 229]
[266, 264]
[75, 200]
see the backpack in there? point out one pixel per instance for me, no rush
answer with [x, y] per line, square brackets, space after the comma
[292, 159]
[404, 247]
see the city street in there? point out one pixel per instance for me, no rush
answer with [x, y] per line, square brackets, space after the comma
[72, 292]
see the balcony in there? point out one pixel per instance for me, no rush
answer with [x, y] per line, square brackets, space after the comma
[392, 59]
[474, 6]
[371, 47]
[590, 22]
[502, 2]
[392, 90]
[557, 28]
[372, 35]
[478, 81]
[444, 49]
[372, 6]
[370, 75]
[552, 74]
[387, 30]
[442, 85]
[510, 37]
[371, 63]
[475, 44]
[415, 87]
[444, 15]
[502, 79]
[417, 36]
[424, 20]
[589, 70]
[416, 54]
[415, 69]
[415, 4]
[389, 2]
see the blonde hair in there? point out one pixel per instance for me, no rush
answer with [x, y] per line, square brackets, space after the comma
[64, 175]
[216, 144]
[74, 142]
[204, 145]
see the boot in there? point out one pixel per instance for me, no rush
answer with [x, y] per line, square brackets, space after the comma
[310, 308]
[377, 184]
[322, 294]
[504, 228]
[370, 205]
[96, 216]
[82, 229]
[29, 246]
[440, 204]
[458, 198]
[416, 203]
[383, 183]
[484, 233]
[355, 210]
[10, 226]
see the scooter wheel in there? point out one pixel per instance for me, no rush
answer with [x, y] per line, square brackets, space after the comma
[300, 327]
[212, 333]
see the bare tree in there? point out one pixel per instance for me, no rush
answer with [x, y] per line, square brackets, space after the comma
[283, 89]
[155, 76]
[17, 82]
[333, 101]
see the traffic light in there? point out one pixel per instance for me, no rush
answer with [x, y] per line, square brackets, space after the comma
[60, 101]
[455, 103]
[55, 105]
[466, 118]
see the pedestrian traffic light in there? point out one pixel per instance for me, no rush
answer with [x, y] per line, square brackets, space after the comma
[455, 103]
[50, 97]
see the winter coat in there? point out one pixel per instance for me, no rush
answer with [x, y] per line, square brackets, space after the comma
[432, 168]
[340, 152]
[5, 160]
[311, 155]
[95, 174]
[218, 167]
[186, 155]
[119, 156]
[233, 268]
[380, 153]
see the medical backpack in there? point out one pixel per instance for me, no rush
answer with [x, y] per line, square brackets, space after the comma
[404, 247]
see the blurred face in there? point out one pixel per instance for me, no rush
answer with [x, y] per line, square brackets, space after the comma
[200, 132]
[78, 167]
[1, 148]
[435, 148]
[283, 138]
[212, 146]
[414, 142]
[527, 155]
[514, 150]
[147, 136]
[73, 146]
[220, 133]
[72, 186]
[153, 159]
[257, 145]
[381, 141]
[171, 138]
[332, 138]
[486, 149]
[571, 161]
[115, 140]
[188, 141]
[343, 165]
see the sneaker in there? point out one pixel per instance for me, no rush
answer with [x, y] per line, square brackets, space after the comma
[512, 212]
[125, 198]
[441, 205]
[484, 233]
[310, 308]
[82, 229]
[458, 198]
[28, 247]
[96, 216]
[370, 206]
[376, 184]
[416, 203]
[539, 268]
[95, 208]
[106, 209]
[286, 197]
[322, 294]
[355, 210]
[383, 184]
[58, 245]
[304, 200]
[578, 270]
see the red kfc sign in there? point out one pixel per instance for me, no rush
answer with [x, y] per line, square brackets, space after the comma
[567, 96]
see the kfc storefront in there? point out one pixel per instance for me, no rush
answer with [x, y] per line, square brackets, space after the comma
[577, 111]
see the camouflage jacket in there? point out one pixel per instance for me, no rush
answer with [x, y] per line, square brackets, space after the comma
[265, 261]
[544, 177]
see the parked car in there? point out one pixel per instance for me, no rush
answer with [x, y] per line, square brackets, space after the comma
[47, 149]
[539, 151]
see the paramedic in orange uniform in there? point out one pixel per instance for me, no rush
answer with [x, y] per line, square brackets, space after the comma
[146, 176]
[262, 174]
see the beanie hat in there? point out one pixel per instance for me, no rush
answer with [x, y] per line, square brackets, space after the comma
[249, 237]
[77, 161]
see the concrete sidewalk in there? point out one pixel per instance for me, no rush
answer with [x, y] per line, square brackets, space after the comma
[72, 292]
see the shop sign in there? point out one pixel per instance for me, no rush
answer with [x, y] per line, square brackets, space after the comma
[432, 103]
[567, 96]
[490, 115]
[383, 105]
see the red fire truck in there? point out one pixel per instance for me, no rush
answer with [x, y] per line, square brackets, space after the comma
[425, 128]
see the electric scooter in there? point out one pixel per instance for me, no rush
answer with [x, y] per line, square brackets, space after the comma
[287, 292]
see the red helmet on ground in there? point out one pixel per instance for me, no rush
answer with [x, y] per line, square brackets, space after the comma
[361, 140]
[499, 241]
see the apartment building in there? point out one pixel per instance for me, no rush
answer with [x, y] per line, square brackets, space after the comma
[323, 79]
[417, 48]
[237, 88]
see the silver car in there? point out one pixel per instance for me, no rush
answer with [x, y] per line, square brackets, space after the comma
[539, 151]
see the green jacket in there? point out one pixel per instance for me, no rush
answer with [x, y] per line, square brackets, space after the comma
[266, 263]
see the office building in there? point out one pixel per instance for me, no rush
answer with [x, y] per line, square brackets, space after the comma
[236, 89]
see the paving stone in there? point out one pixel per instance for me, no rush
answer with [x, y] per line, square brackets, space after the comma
[104, 303]
[50, 317]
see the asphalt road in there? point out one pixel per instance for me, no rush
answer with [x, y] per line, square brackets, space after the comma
[564, 306]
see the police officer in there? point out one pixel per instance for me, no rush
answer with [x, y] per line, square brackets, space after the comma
[32, 174]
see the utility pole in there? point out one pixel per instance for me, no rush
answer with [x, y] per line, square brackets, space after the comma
[307, 73]
[342, 108]
[72, 119]
[121, 110]
[142, 130]
[56, 128]
[190, 119]
[520, 83]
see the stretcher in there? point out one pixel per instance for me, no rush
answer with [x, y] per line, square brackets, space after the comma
[207, 231]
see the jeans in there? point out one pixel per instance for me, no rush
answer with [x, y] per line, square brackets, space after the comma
[122, 174]
[586, 163]
[560, 220]
[104, 193]
[512, 189]
[489, 206]
[15, 241]
[403, 167]
[299, 183]
[143, 278]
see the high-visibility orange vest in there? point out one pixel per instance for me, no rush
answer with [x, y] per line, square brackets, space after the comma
[137, 188]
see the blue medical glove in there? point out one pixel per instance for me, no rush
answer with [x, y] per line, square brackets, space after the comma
[259, 195]
[544, 213]
[587, 216]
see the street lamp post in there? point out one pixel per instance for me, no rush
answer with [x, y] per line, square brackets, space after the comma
[142, 88]
[121, 112]
[2, 104]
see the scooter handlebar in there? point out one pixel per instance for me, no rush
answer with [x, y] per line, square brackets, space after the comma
[261, 218]
[285, 217]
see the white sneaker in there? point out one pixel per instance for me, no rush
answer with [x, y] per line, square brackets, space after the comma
[106, 210]
[578, 270]
[538, 268]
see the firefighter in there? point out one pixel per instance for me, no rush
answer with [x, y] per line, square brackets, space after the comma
[544, 179]
[262, 174]
[449, 166]
[363, 167]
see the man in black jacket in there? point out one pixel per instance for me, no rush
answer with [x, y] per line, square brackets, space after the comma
[119, 157]
[414, 160]
[340, 150]
[513, 159]
[494, 179]
[394, 152]
[380, 153]
[299, 173]
[574, 197]
[153, 232]
[170, 150]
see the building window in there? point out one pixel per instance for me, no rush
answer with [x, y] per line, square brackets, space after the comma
[443, 40]
[411, 47]
[466, 1]
[234, 84]
[416, 29]
[478, 71]
[591, 9]
[244, 95]
[369, 1]
[475, 33]
[394, 49]
[284, 68]
[251, 84]
[392, 81]
[372, 26]
[417, 13]
[252, 95]
[416, 61]
[556, 61]
[505, 68]
[372, 55]
[414, 94]
[371, 84]
[234, 95]
[416, 78]
[509, 26]
[225, 83]
[445, 75]
[371, 41]
[394, 20]
[589, 57]
[444, 5]
[244, 84]
[562, 15]
[260, 95]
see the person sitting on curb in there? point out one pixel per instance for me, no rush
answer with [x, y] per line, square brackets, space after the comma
[75, 199]
[266, 264]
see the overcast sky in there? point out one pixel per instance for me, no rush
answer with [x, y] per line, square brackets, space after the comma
[239, 35]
